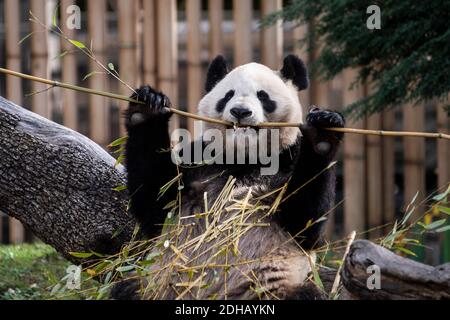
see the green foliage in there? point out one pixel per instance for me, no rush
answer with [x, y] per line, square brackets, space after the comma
[408, 233]
[407, 59]
[28, 271]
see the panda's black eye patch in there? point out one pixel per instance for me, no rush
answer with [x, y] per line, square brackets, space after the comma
[223, 102]
[268, 104]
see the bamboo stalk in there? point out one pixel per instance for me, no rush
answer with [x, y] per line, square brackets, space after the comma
[242, 16]
[215, 17]
[53, 83]
[39, 57]
[337, 279]
[272, 37]
[69, 74]
[388, 169]
[127, 49]
[375, 183]
[414, 158]
[13, 90]
[355, 188]
[194, 61]
[167, 51]
[149, 41]
[98, 106]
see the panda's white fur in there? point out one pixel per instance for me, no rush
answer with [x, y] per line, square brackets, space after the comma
[246, 81]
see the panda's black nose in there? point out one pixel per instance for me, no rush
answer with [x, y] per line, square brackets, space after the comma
[240, 113]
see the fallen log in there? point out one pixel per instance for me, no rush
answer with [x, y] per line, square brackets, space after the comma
[59, 183]
[400, 278]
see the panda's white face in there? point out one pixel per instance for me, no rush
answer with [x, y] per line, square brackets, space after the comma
[251, 94]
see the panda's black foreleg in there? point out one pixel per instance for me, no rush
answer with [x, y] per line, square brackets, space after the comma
[148, 158]
[311, 191]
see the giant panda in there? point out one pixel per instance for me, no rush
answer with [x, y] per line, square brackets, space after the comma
[279, 252]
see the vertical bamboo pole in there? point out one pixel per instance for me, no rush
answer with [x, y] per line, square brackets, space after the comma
[139, 77]
[13, 89]
[319, 89]
[319, 95]
[388, 168]
[69, 70]
[354, 165]
[215, 16]
[167, 51]
[443, 158]
[12, 29]
[414, 166]
[39, 53]
[334, 98]
[149, 43]
[243, 17]
[374, 177]
[194, 72]
[127, 54]
[272, 37]
[443, 167]
[414, 156]
[298, 34]
[98, 110]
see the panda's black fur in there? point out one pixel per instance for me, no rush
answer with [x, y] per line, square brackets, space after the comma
[150, 166]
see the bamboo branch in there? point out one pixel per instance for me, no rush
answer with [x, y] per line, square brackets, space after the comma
[88, 52]
[337, 280]
[53, 83]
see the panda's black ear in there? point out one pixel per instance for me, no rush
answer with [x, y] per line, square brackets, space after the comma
[294, 69]
[217, 71]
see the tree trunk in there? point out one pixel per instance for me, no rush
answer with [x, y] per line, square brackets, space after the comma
[59, 184]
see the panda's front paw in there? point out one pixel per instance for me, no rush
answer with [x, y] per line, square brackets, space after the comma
[324, 142]
[156, 106]
[321, 118]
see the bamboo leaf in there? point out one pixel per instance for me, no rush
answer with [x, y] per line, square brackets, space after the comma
[90, 74]
[81, 254]
[118, 142]
[108, 277]
[442, 196]
[443, 229]
[26, 37]
[407, 251]
[125, 268]
[77, 44]
[119, 160]
[151, 256]
[317, 279]
[61, 55]
[406, 217]
[120, 188]
[55, 289]
[111, 66]
[433, 225]
[445, 210]
[55, 16]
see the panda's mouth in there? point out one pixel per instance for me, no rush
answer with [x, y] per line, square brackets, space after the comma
[243, 128]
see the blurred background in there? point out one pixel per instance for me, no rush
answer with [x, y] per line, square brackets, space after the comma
[168, 45]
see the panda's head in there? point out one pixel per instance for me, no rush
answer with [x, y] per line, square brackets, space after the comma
[253, 93]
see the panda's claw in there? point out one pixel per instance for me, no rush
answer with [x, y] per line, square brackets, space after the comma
[321, 118]
[324, 142]
[155, 106]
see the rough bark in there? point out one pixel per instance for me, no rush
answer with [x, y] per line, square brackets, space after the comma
[401, 278]
[58, 183]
